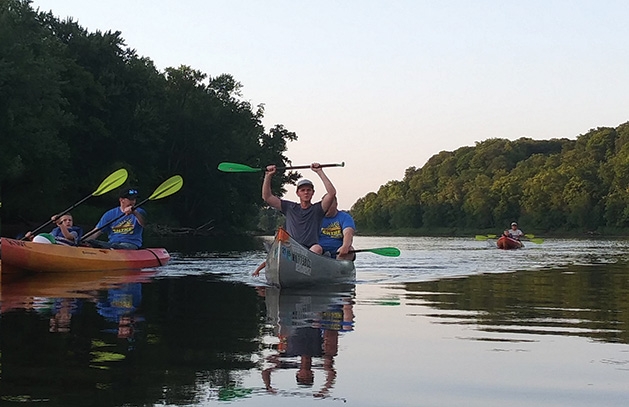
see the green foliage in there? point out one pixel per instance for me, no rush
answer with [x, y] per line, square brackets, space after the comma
[547, 185]
[75, 105]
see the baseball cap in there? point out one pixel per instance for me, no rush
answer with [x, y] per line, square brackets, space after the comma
[304, 181]
[130, 193]
[514, 224]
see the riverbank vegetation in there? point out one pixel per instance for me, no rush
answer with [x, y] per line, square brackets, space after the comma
[558, 185]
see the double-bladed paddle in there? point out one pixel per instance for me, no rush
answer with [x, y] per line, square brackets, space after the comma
[234, 167]
[485, 237]
[166, 188]
[528, 237]
[382, 251]
[112, 182]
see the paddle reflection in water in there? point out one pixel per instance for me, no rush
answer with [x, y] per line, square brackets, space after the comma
[305, 327]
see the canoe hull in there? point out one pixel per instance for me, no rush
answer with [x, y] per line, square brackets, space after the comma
[20, 255]
[289, 264]
[507, 243]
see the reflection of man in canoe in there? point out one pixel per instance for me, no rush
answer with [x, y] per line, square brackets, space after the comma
[318, 340]
[303, 218]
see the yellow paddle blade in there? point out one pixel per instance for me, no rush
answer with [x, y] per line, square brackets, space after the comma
[112, 182]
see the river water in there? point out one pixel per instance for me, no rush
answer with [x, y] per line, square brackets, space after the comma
[451, 322]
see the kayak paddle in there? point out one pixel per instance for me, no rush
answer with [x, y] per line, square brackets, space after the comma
[113, 181]
[166, 188]
[233, 167]
[485, 237]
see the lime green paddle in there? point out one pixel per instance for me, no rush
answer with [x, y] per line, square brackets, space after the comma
[113, 181]
[166, 188]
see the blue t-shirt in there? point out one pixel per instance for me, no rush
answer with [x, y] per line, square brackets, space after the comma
[303, 224]
[127, 229]
[331, 232]
[75, 231]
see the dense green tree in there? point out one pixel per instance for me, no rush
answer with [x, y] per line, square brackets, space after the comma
[75, 106]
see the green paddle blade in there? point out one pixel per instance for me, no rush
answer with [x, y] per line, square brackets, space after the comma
[386, 251]
[382, 251]
[537, 240]
[234, 167]
[167, 188]
[112, 182]
[529, 235]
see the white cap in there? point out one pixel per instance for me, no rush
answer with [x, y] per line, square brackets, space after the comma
[304, 181]
[513, 223]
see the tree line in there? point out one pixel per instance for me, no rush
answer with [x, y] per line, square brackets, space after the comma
[548, 185]
[77, 105]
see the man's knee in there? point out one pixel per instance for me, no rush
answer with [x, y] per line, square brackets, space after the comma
[316, 248]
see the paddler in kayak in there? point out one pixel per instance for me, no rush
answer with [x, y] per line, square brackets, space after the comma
[514, 232]
[126, 231]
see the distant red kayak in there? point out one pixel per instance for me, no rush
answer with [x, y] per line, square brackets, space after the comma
[507, 243]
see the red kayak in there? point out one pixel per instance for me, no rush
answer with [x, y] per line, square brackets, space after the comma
[24, 255]
[507, 243]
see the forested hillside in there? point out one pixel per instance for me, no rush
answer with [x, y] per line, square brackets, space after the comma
[77, 105]
[552, 185]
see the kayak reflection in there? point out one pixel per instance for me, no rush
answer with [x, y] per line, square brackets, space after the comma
[306, 325]
[59, 297]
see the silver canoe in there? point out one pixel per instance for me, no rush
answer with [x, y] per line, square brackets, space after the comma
[289, 264]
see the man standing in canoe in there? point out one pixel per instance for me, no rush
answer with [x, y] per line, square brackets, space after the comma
[303, 218]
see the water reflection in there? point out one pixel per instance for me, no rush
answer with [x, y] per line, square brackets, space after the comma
[305, 326]
[124, 339]
[585, 301]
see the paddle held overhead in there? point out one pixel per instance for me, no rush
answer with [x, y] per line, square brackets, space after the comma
[234, 167]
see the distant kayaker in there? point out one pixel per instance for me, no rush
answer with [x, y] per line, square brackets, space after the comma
[336, 234]
[303, 218]
[126, 231]
[514, 232]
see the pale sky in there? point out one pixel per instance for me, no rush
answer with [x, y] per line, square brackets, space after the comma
[383, 85]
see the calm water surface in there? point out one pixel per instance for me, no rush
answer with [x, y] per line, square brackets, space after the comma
[451, 322]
